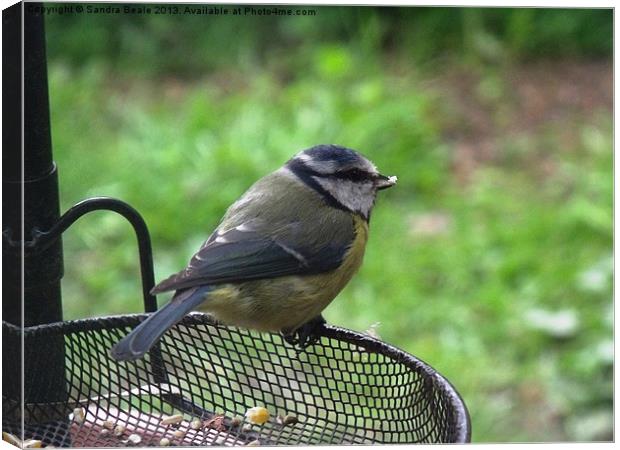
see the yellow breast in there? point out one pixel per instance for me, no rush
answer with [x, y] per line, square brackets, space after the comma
[352, 260]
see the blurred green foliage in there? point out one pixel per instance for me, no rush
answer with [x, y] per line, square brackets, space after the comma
[189, 45]
[501, 281]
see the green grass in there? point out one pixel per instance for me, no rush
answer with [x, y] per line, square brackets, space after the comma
[501, 282]
[458, 296]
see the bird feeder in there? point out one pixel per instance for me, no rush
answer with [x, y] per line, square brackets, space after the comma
[203, 383]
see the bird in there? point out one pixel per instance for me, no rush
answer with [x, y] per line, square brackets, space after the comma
[280, 254]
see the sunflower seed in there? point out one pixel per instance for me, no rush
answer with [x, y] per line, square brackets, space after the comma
[171, 420]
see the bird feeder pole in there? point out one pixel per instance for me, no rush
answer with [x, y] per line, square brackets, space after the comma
[31, 288]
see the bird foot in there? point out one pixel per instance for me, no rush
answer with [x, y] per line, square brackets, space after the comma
[306, 335]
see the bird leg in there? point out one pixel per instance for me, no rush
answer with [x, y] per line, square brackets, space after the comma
[306, 335]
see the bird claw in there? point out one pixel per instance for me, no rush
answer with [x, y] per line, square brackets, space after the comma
[306, 335]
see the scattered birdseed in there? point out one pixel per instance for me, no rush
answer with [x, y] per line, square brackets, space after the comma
[247, 427]
[32, 443]
[257, 415]
[134, 439]
[164, 442]
[11, 439]
[216, 423]
[290, 419]
[171, 420]
[179, 434]
[119, 430]
[104, 432]
[196, 424]
[78, 415]
[253, 443]
[108, 424]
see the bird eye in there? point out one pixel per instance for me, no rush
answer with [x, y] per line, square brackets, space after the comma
[353, 175]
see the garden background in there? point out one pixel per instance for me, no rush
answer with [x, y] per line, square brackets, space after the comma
[492, 258]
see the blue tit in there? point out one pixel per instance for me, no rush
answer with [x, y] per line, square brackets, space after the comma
[280, 254]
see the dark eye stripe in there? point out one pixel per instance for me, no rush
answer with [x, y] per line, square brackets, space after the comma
[353, 175]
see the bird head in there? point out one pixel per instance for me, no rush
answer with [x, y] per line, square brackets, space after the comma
[344, 177]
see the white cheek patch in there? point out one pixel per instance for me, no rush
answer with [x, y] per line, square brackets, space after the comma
[355, 196]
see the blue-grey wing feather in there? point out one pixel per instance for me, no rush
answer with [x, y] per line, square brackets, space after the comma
[243, 253]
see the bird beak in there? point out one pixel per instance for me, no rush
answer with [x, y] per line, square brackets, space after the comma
[383, 182]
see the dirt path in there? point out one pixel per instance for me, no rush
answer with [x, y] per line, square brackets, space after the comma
[529, 98]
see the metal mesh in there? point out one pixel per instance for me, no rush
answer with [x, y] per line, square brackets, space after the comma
[346, 389]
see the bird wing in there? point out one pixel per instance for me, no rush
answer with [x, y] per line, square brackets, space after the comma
[254, 250]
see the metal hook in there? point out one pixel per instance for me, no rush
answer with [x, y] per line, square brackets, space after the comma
[43, 239]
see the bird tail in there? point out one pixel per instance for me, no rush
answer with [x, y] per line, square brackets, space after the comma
[145, 335]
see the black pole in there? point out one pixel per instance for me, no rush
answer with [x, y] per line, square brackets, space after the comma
[11, 209]
[39, 295]
[11, 163]
[42, 301]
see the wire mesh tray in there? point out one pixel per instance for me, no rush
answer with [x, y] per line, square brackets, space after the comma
[348, 388]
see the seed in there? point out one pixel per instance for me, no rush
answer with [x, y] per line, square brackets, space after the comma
[179, 434]
[253, 443]
[104, 432]
[171, 420]
[11, 439]
[78, 415]
[134, 439]
[289, 419]
[216, 423]
[119, 430]
[247, 427]
[196, 424]
[108, 424]
[257, 415]
[33, 443]
[164, 442]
